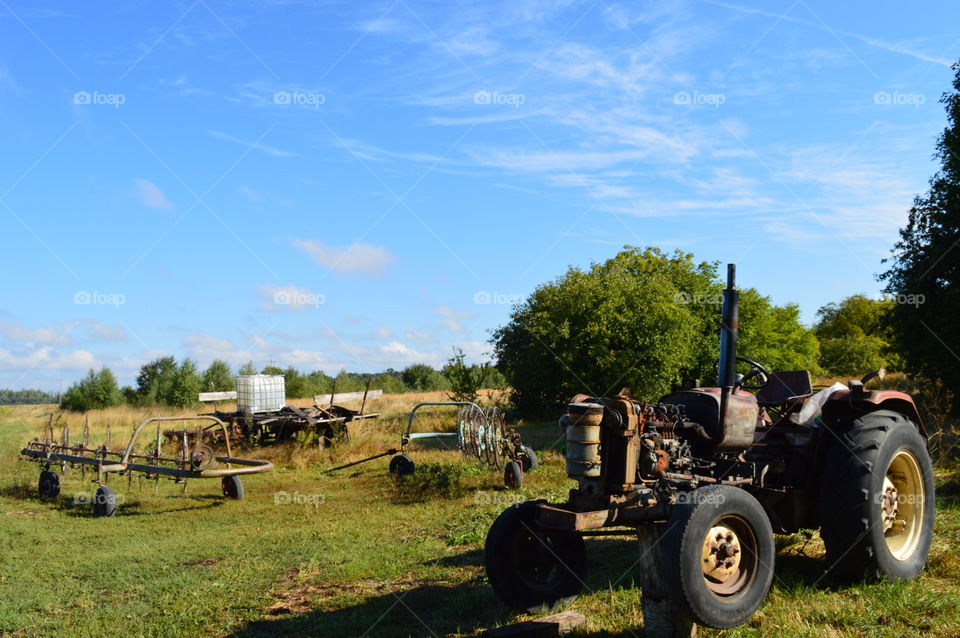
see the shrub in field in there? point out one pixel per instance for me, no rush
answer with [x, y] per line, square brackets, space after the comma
[432, 480]
[465, 380]
[95, 391]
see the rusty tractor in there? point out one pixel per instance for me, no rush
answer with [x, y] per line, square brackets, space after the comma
[708, 475]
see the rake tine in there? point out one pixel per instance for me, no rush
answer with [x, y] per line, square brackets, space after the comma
[86, 441]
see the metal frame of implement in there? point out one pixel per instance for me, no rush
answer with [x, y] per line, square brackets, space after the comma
[193, 462]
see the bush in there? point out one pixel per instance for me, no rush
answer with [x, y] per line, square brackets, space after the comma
[95, 391]
[433, 480]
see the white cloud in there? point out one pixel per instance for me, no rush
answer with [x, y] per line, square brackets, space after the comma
[151, 195]
[355, 259]
[250, 194]
[30, 336]
[46, 358]
[383, 332]
[451, 317]
[102, 332]
[418, 337]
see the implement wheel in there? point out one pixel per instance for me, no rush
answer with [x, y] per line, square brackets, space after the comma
[104, 502]
[232, 487]
[530, 568]
[49, 484]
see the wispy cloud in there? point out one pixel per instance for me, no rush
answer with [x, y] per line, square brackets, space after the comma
[259, 146]
[152, 196]
[355, 259]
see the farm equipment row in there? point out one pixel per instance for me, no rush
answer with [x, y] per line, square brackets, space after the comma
[196, 460]
[327, 420]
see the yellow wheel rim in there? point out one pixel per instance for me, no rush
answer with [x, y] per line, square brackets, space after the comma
[902, 505]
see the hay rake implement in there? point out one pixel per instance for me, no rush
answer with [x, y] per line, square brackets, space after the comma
[196, 460]
[480, 434]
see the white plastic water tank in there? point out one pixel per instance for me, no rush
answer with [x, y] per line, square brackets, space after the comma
[260, 393]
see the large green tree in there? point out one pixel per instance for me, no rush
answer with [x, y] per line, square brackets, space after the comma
[218, 378]
[643, 320]
[924, 274]
[855, 336]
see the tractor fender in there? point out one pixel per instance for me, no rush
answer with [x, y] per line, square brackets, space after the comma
[844, 406]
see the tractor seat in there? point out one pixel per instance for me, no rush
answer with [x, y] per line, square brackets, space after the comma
[783, 387]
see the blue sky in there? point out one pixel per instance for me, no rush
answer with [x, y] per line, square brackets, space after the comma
[365, 185]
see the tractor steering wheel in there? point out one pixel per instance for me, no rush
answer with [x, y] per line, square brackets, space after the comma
[756, 370]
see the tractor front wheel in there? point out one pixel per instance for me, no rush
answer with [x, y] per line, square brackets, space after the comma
[531, 568]
[718, 554]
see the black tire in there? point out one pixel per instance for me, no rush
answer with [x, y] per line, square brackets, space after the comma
[732, 591]
[529, 459]
[104, 502]
[857, 461]
[513, 475]
[401, 465]
[49, 484]
[232, 487]
[532, 569]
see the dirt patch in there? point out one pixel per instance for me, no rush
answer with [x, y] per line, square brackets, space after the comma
[202, 561]
[26, 512]
[296, 593]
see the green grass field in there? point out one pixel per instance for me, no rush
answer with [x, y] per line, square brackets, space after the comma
[359, 557]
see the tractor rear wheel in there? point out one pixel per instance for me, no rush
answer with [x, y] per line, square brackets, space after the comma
[877, 503]
[718, 555]
[531, 568]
